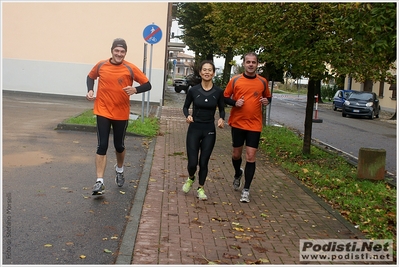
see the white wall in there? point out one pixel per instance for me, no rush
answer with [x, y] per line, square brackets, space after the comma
[61, 78]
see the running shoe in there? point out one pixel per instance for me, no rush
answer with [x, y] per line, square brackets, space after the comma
[244, 196]
[119, 178]
[237, 180]
[201, 194]
[187, 185]
[98, 188]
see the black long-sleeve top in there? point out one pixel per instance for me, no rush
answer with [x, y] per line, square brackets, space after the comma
[204, 103]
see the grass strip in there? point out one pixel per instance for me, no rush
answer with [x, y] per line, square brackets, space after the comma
[149, 127]
[369, 205]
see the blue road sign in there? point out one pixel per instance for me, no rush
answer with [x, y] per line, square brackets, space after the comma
[174, 62]
[152, 34]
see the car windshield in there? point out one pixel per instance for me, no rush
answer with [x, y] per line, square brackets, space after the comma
[361, 96]
[347, 94]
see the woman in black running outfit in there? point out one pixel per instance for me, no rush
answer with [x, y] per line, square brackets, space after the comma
[201, 133]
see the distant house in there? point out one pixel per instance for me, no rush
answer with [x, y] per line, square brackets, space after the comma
[184, 64]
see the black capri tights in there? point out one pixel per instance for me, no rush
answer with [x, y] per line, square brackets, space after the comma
[103, 130]
[200, 141]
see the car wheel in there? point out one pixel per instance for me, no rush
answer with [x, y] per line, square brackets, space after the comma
[372, 115]
[334, 106]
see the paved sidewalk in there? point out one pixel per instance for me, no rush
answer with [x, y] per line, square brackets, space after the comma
[177, 228]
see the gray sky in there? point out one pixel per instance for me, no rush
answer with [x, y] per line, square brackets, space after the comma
[219, 62]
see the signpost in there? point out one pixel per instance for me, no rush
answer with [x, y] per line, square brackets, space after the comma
[152, 34]
[174, 69]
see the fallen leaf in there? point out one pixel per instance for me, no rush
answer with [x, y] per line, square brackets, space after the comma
[305, 170]
[230, 256]
[122, 192]
[107, 250]
[82, 256]
[48, 245]
[69, 243]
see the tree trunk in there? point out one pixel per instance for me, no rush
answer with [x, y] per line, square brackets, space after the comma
[227, 67]
[307, 139]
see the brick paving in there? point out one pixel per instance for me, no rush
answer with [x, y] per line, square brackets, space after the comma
[177, 228]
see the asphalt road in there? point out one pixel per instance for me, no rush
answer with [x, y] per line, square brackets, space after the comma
[49, 214]
[346, 134]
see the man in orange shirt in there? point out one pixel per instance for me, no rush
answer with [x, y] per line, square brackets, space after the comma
[112, 106]
[246, 93]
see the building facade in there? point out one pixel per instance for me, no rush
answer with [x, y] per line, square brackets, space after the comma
[50, 47]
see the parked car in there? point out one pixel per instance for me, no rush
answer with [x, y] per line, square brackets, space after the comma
[185, 83]
[362, 104]
[180, 84]
[340, 97]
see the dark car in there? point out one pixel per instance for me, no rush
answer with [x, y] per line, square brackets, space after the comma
[180, 84]
[362, 104]
[340, 97]
[185, 83]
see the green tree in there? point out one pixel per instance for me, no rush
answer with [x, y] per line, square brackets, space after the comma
[366, 41]
[304, 37]
[192, 20]
[356, 39]
[228, 19]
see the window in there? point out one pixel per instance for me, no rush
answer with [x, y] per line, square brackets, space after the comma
[393, 88]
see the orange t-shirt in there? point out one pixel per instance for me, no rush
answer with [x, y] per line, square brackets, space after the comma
[111, 100]
[249, 116]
